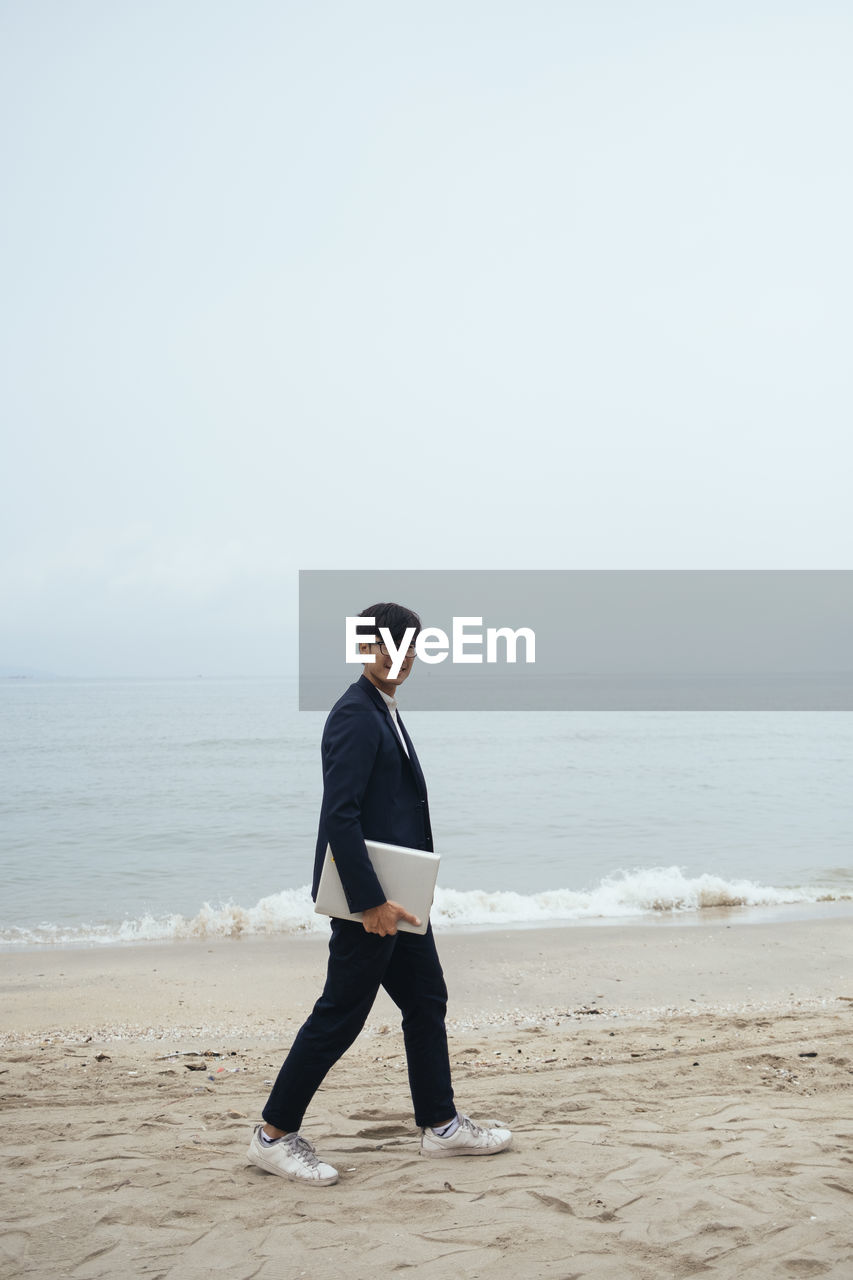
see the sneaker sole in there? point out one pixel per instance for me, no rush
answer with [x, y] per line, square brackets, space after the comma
[464, 1151]
[260, 1163]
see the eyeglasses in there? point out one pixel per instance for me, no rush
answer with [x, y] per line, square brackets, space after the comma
[383, 649]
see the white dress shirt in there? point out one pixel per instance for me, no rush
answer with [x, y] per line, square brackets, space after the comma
[391, 704]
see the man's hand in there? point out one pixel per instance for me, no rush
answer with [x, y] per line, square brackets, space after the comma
[384, 919]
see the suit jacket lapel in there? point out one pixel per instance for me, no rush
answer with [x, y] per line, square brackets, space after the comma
[413, 757]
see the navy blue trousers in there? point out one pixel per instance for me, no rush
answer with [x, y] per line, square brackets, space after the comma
[407, 966]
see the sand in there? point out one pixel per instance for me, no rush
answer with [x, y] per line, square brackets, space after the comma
[681, 1099]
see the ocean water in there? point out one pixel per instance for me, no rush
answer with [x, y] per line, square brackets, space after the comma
[141, 809]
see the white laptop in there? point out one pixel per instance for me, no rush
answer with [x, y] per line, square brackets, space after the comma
[407, 876]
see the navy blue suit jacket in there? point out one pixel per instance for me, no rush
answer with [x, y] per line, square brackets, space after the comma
[371, 791]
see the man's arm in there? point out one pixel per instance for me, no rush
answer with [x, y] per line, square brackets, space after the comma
[350, 744]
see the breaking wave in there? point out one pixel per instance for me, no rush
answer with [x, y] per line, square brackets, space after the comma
[626, 894]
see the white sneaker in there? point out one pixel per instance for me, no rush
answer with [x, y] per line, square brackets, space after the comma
[468, 1140]
[290, 1157]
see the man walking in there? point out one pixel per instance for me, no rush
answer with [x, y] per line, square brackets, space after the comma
[373, 788]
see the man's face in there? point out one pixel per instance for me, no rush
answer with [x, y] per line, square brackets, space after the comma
[378, 671]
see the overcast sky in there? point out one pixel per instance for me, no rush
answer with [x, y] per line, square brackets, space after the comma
[352, 285]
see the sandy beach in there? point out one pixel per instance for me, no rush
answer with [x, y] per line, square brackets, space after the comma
[680, 1097]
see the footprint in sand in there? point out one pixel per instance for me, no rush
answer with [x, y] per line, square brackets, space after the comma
[385, 1131]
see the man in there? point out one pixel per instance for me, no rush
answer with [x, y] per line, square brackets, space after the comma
[373, 788]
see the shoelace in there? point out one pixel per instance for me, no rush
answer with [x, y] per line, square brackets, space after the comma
[302, 1150]
[465, 1122]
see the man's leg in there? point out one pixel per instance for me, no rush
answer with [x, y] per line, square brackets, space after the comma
[415, 983]
[357, 965]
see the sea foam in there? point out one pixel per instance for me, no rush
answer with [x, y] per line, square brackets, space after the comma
[624, 895]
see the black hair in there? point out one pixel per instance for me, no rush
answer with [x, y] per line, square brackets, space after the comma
[396, 618]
